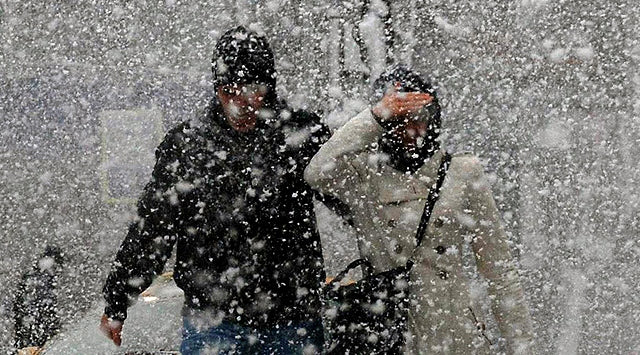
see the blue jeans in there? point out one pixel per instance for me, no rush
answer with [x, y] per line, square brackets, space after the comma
[231, 338]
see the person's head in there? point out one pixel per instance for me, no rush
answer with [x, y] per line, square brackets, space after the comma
[244, 77]
[414, 128]
[51, 259]
[412, 139]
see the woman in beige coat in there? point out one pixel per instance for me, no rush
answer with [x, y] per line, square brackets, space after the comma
[382, 164]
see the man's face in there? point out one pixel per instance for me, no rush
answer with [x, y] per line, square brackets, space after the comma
[241, 104]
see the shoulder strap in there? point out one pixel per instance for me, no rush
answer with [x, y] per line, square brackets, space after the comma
[422, 227]
[434, 193]
[367, 270]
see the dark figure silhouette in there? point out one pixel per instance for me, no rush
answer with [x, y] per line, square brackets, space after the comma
[35, 307]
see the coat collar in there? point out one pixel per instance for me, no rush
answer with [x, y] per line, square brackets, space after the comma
[428, 173]
[408, 187]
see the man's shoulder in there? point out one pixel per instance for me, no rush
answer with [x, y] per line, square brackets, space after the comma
[304, 130]
[182, 136]
[191, 129]
[175, 135]
[300, 119]
[179, 129]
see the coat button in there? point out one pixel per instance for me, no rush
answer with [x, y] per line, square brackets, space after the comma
[443, 274]
[440, 249]
[392, 223]
[439, 222]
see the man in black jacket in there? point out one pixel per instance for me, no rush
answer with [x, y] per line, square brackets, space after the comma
[228, 189]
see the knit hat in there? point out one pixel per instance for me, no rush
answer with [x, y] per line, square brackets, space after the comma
[243, 57]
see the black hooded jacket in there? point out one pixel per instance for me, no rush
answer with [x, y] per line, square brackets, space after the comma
[238, 209]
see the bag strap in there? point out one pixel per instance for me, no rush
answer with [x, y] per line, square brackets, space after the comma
[422, 227]
[354, 264]
[434, 193]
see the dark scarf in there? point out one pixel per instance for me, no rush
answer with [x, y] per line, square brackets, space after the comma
[410, 159]
[403, 159]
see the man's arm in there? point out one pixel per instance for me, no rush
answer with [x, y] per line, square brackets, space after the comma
[316, 134]
[149, 241]
[495, 263]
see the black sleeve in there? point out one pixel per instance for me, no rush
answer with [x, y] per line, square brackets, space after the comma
[150, 239]
[297, 216]
[318, 134]
[21, 314]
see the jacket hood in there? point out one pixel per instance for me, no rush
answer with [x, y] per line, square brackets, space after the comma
[242, 57]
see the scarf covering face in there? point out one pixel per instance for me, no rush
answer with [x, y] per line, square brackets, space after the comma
[405, 158]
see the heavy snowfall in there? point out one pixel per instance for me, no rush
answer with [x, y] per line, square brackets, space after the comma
[546, 92]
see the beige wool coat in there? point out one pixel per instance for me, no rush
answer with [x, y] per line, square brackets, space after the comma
[386, 204]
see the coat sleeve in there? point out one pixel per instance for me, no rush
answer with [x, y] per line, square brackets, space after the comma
[495, 263]
[150, 239]
[331, 171]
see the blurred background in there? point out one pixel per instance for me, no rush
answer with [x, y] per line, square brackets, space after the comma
[546, 92]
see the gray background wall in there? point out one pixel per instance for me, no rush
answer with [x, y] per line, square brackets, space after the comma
[545, 91]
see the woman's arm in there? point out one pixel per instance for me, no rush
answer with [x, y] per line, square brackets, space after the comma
[495, 263]
[331, 170]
